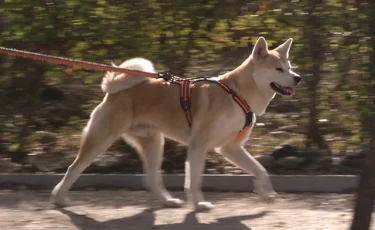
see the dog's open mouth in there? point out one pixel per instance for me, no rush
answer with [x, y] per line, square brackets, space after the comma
[285, 91]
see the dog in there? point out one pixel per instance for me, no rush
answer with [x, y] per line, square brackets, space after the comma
[143, 111]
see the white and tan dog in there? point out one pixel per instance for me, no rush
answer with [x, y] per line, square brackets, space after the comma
[143, 111]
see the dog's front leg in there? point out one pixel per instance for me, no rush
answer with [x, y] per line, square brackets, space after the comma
[194, 167]
[240, 157]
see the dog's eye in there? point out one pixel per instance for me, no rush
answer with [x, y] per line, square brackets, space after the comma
[279, 69]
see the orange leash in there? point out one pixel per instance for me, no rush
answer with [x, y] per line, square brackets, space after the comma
[185, 84]
[83, 64]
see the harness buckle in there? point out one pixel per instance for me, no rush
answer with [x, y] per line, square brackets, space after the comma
[249, 118]
[185, 103]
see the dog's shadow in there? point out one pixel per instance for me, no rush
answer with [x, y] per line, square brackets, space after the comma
[146, 220]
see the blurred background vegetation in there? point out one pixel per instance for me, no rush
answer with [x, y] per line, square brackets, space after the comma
[43, 106]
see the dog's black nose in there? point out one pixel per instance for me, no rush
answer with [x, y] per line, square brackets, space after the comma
[297, 79]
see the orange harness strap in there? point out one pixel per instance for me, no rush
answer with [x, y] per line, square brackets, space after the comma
[185, 100]
[185, 85]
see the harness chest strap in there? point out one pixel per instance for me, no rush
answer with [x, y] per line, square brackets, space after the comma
[185, 100]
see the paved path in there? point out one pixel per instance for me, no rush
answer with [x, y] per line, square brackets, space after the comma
[121, 209]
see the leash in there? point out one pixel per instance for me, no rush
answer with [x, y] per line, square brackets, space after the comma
[185, 84]
[83, 64]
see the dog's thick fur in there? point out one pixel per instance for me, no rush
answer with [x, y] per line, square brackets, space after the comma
[144, 110]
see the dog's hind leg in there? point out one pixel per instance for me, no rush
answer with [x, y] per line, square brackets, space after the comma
[150, 148]
[238, 156]
[102, 129]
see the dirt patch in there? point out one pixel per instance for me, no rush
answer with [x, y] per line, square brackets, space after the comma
[122, 209]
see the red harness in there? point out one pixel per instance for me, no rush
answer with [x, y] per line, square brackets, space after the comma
[185, 99]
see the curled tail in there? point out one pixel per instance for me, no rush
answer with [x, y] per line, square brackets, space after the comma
[114, 82]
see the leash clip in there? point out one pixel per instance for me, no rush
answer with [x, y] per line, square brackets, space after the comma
[165, 75]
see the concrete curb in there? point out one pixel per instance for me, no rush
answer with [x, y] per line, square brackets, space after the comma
[211, 182]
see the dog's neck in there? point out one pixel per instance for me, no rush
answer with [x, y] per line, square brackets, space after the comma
[241, 80]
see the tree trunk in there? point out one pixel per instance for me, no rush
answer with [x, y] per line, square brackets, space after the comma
[314, 34]
[366, 193]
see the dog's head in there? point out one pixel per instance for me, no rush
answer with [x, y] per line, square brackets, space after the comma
[272, 69]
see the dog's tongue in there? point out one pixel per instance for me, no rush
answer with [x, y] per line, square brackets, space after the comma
[291, 91]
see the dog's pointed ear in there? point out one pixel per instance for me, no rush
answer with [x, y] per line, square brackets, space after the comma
[284, 48]
[260, 50]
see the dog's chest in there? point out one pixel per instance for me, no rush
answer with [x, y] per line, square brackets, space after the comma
[227, 129]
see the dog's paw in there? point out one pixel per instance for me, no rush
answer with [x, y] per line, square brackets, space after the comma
[203, 206]
[173, 203]
[61, 202]
[269, 197]
[265, 192]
